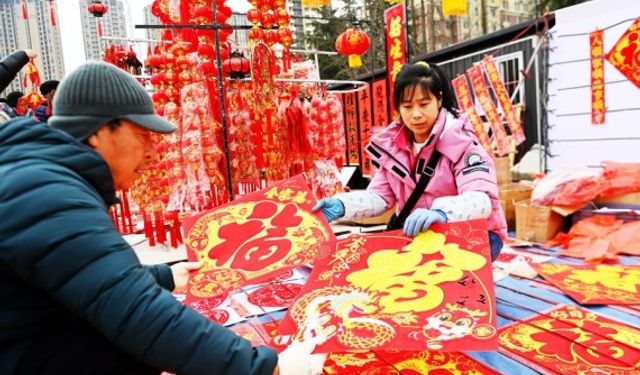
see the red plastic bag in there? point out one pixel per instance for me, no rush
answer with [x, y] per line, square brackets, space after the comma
[620, 178]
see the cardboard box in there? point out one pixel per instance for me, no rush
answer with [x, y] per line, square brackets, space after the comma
[503, 170]
[536, 223]
[509, 195]
[631, 199]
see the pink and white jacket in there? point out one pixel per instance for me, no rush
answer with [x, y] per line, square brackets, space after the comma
[464, 167]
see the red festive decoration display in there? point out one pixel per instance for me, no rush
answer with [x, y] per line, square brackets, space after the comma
[353, 43]
[236, 66]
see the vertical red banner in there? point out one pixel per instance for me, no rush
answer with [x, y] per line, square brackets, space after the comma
[364, 113]
[482, 94]
[461, 88]
[503, 98]
[598, 107]
[394, 19]
[351, 121]
[380, 114]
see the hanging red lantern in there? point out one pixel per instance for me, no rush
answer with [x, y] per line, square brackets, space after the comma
[255, 34]
[268, 19]
[203, 14]
[282, 17]
[236, 66]
[353, 43]
[254, 16]
[97, 8]
[285, 37]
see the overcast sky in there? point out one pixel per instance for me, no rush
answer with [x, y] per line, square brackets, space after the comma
[71, 29]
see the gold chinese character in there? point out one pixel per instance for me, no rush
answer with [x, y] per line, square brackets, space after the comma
[395, 27]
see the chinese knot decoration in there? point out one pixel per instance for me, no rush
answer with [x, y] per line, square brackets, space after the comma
[98, 10]
[353, 43]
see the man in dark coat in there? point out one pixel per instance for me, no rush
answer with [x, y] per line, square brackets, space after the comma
[74, 298]
[11, 65]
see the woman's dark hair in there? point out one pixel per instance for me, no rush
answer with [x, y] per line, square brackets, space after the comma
[431, 78]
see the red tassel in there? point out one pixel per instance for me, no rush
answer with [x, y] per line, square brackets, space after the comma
[25, 15]
[99, 26]
[52, 14]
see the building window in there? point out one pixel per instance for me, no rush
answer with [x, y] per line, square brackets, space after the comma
[509, 66]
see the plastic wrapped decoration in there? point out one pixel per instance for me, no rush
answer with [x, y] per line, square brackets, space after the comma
[326, 129]
[324, 178]
[206, 185]
[242, 148]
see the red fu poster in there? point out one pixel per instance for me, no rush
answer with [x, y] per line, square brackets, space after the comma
[255, 238]
[388, 291]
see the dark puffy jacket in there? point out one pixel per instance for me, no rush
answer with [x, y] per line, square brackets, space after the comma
[10, 66]
[63, 264]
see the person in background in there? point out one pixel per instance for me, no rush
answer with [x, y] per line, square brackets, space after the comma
[12, 103]
[75, 299]
[22, 107]
[430, 129]
[48, 90]
[11, 65]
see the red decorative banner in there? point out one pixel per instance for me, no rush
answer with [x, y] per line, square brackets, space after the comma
[598, 284]
[598, 107]
[461, 88]
[503, 98]
[380, 100]
[624, 54]
[482, 94]
[394, 19]
[351, 122]
[388, 291]
[569, 340]
[254, 238]
[434, 362]
[364, 113]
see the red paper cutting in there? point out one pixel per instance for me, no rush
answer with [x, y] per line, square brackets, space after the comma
[569, 340]
[591, 284]
[254, 238]
[389, 291]
[434, 363]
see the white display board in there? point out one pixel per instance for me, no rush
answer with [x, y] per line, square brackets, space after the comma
[572, 139]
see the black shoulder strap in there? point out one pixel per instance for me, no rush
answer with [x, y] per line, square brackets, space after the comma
[425, 177]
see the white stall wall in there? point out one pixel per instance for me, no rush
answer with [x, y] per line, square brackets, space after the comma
[572, 139]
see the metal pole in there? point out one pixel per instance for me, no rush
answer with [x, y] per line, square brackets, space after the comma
[223, 110]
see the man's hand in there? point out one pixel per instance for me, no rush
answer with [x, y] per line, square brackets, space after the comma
[181, 272]
[31, 54]
[421, 219]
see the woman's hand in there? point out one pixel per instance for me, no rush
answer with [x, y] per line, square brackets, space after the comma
[181, 273]
[332, 208]
[421, 219]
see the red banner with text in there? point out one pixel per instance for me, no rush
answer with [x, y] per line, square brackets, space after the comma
[351, 122]
[364, 115]
[598, 106]
[503, 99]
[493, 117]
[461, 89]
[394, 19]
[380, 114]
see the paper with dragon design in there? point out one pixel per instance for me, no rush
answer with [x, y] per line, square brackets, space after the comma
[389, 291]
[254, 238]
[404, 363]
[570, 340]
[599, 284]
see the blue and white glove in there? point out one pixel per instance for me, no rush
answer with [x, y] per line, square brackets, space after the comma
[332, 208]
[421, 219]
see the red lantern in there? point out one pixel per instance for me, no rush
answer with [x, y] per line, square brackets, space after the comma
[97, 8]
[255, 34]
[353, 43]
[203, 14]
[286, 39]
[282, 17]
[254, 16]
[236, 66]
[268, 19]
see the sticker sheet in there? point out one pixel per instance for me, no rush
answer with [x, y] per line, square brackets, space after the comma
[389, 291]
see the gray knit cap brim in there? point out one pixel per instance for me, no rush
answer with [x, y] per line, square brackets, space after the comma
[97, 93]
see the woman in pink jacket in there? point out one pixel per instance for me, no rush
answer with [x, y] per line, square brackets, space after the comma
[463, 183]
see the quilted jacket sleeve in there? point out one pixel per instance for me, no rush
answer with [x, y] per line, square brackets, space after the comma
[10, 66]
[162, 274]
[64, 243]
